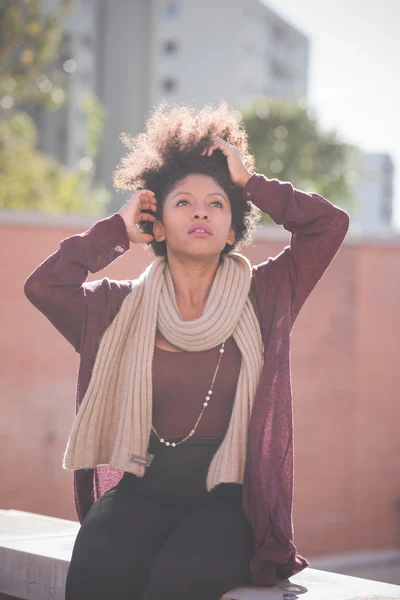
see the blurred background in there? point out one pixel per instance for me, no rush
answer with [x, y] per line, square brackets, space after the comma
[317, 87]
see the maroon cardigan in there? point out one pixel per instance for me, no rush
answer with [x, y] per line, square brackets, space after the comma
[82, 312]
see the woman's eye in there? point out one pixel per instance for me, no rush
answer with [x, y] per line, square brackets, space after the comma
[215, 202]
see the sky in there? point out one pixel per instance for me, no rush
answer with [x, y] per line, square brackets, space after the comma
[354, 75]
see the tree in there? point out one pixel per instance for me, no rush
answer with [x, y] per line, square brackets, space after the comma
[30, 180]
[287, 144]
[31, 40]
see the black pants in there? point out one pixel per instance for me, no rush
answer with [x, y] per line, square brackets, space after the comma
[133, 547]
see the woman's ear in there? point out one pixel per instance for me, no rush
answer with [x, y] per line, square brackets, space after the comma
[231, 235]
[158, 231]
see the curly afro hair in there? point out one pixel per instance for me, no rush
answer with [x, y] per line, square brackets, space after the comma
[170, 149]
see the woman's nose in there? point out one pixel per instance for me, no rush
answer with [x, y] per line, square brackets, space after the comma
[201, 213]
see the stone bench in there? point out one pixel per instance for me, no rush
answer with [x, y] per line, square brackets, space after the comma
[35, 551]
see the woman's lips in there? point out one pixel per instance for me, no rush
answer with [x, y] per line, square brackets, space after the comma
[199, 234]
[201, 227]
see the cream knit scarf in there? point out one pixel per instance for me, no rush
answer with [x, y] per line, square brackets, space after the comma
[114, 420]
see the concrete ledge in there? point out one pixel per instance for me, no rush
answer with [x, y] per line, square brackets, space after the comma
[263, 232]
[37, 219]
[35, 552]
[312, 584]
[366, 559]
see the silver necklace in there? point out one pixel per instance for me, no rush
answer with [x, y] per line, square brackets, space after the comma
[205, 404]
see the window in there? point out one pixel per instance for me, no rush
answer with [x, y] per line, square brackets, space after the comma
[86, 76]
[278, 33]
[387, 201]
[249, 87]
[386, 212]
[62, 133]
[169, 85]
[172, 11]
[278, 70]
[87, 41]
[170, 47]
[248, 48]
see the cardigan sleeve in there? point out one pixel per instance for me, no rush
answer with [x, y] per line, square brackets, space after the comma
[317, 229]
[57, 286]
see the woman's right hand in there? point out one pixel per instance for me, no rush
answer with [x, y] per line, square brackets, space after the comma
[132, 214]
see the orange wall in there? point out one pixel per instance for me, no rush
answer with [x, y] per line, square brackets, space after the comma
[345, 377]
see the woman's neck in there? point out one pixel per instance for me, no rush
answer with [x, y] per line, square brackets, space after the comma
[192, 285]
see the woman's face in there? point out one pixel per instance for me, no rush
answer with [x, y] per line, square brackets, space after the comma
[196, 201]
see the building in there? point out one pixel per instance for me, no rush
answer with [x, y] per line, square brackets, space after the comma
[374, 191]
[135, 53]
[238, 50]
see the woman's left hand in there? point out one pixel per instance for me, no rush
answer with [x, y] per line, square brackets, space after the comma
[238, 172]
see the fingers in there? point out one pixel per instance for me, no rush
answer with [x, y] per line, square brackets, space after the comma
[220, 144]
[147, 202]
[208, 151]
[145, 193]
[146, 237]
[147, 217]
[148, 205]
[145, 196]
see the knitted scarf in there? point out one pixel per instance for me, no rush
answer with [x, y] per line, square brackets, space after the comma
[113, 423]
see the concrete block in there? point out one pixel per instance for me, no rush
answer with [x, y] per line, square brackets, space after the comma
[35, 551]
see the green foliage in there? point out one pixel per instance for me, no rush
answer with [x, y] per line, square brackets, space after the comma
[32, 48]
[95, 115]
[30, 41]
[30, 180]
[289, 146]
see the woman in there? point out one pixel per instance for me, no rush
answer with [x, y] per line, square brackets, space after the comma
[182, 447]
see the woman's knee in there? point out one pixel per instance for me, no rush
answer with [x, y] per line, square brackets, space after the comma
[194, 577]
[108, 572]
[111, 557]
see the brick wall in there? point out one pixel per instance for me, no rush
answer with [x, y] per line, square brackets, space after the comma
[345, 379]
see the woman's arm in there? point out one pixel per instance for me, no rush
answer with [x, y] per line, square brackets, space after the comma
[57, 286]
[317, 229]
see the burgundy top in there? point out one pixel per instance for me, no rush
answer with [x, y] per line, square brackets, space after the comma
[82, 311]
[181, 381]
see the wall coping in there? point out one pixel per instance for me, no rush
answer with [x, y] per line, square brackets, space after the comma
[35, 552]
[355, 559]
[265, 232]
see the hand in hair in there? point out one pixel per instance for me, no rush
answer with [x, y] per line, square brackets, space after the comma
[132, 214]
[237, 170]
[171, 147]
